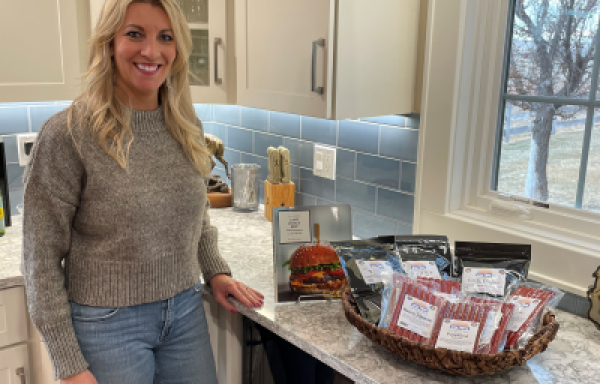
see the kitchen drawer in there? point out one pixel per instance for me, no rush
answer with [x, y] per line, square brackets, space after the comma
[14, 365]
[13, 316]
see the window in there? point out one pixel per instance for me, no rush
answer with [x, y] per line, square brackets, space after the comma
[465, 166]
[547, 145]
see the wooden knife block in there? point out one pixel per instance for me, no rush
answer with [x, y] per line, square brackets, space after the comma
[278, 195]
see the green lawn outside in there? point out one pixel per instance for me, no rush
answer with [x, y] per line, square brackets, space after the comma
[562, 169]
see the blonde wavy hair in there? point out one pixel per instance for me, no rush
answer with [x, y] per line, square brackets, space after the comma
[108, 116]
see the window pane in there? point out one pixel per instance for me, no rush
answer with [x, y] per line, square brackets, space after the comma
[552, 48]
[199, 59]
[541, 150]
[195, 11]
[591, 193]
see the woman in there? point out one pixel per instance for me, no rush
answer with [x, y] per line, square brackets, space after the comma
[116, 226]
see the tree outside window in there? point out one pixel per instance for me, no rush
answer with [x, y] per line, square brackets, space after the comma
[549, 107]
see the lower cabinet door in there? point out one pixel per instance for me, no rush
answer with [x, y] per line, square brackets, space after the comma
[14, 365]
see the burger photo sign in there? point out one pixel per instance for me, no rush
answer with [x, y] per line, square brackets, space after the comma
[306, 266]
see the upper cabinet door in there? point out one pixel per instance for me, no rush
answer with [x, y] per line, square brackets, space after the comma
[43, 48]
[284, 55]
[333, 59]
[210, 64]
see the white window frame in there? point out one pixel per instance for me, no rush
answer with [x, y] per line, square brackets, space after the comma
[461, 91]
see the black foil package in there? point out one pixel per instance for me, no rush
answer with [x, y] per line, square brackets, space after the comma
[419, 253]
[367, 264]
[490, 268]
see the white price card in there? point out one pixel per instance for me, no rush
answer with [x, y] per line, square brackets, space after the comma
[294, 227]
[524, 307]
[458, 335]
[417, 316]
[421, 268]
[484, 280]
[373, 271]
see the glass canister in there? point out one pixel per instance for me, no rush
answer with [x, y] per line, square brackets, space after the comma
[245, 181]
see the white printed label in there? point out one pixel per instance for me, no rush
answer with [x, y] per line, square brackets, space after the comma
[417, 316]
[294, 227]
[484, 280]
[524, 307]
[421, 268]
[372, 271]
[458, 335]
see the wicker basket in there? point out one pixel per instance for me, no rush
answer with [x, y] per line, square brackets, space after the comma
[453, 362]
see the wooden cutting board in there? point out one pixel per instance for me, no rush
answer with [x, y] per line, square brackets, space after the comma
[220, 199]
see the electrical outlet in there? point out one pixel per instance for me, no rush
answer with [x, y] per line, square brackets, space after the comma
[24, 144]
[324, 162]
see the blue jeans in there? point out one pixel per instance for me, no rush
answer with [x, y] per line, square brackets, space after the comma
[161, 342]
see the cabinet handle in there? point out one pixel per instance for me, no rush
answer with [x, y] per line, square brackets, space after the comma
[218, 41]
[320, 43]
[21, 372]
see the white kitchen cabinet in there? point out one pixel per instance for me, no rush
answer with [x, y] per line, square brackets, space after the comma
[211, 61]
[43, 48]
[332, 59]
[14, 365]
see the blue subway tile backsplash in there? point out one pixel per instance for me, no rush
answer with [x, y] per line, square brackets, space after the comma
[13, 119]
[359, 136]
[301, 151]
[40, 113]
[255, 119]
[284, 124]
[319, 130]
[378, 170]
[356, 194]
[227, 114]
[345, 163]
[399, 142]
[375, 165]
[240, 139]
[262, 141]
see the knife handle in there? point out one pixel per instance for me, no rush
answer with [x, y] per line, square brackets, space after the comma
[284, 155]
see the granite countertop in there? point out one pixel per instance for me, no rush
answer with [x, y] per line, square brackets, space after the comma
[321, 329]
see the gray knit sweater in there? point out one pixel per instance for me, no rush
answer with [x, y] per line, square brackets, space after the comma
[124, 238]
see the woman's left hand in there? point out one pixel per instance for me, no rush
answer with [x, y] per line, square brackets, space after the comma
[223, 286]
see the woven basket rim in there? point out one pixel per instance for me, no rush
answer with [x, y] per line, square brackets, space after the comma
[422, 354]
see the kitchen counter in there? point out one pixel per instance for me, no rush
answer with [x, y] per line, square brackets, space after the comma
[321, 329]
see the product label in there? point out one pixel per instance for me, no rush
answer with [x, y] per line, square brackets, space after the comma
[524, 307]
[484, 280]
[421, 268]
[294, 227]
[373, 271]
[458, 335]
[417, 316]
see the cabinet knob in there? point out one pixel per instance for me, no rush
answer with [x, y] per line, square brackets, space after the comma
[21, 373]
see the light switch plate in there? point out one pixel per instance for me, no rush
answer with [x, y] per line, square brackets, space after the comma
[25, 140]
[324, 161]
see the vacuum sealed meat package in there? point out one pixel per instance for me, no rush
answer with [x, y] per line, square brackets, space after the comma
[493, 269]
[367, 264]
[423, 255]
[531, 301]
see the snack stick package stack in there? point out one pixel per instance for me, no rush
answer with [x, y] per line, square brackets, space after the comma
[415, 312]
[499, 339]
[466, 326]
[530, 301]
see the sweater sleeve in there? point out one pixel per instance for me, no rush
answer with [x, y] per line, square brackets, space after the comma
[53, 181]
[209, 258]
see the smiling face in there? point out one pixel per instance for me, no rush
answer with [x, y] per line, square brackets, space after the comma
[143, 51]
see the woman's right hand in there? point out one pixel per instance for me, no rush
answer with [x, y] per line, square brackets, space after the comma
[84, 377]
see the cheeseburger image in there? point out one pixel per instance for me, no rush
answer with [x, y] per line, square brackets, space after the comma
[316, 269]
